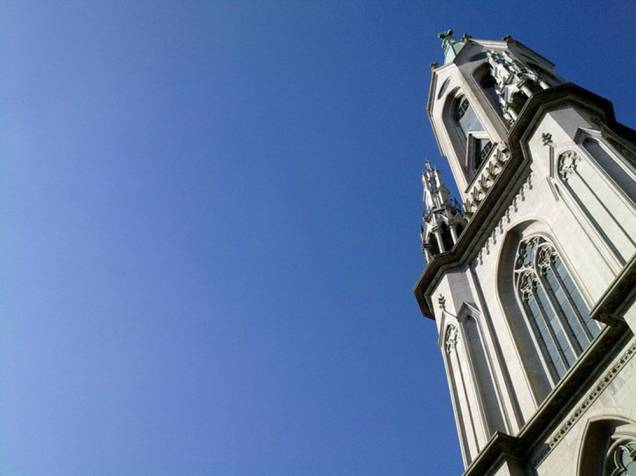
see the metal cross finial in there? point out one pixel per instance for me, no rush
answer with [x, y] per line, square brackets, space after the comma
[446, 37]
[445, 34]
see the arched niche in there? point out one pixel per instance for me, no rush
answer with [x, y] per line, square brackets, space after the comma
[474, 329]
[484, 77]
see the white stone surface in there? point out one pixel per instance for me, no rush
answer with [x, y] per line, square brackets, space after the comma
[580, 202]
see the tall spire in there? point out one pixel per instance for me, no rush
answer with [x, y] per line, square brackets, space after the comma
[435, 192]
[442, 220]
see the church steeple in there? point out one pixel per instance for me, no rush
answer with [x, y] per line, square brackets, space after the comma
[443, 220]
[531, 283]
[477, 96]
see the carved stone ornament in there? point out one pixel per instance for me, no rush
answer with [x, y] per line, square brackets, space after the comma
[621, 458]
[546, 138]
[527, 284]
[604, 381]
[512, 77]
[546, 257]
[441, 300]
[488, 176]
[567, 163]
[451, 339]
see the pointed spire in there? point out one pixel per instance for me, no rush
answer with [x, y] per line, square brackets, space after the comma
[442, 220]
[435, 192]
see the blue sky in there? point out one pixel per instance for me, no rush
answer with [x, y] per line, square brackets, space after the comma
[210, 216]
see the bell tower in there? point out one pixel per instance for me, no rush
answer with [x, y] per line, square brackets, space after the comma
[477, 95]
[531, 275]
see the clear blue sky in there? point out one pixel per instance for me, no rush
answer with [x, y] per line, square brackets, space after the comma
[209, 236]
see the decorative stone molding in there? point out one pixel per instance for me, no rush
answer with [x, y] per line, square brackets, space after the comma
[512, 79]
[487, 177]
[587, 401]
[506, 218]
[546, 138]
[441, 301]
[528, 282]
[621, 457]
[546, 257]
[566, 164]
[451, 339]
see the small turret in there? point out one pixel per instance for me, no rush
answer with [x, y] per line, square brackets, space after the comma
[443, 220]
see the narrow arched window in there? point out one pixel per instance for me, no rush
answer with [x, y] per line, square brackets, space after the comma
[518, 100]
[465, 117]
[447, 239]
[615, 168]
[473, 136]
[488, 84]
[554, 307]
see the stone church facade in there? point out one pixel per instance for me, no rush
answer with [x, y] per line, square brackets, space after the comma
[531, 280]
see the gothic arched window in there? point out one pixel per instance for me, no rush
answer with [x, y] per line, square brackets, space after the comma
[488, 84]
[472, 133]
[608, 448]
[615, 168]
[465, 117]
[447, 239]
[517, 101]
[621, 458]
[558, 316]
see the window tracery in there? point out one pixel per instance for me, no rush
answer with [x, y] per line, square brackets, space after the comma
[608, 447]
[621, 458]
[555, 309]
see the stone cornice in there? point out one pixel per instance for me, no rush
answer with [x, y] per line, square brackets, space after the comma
[584, 403]
[487, 175]
[622, 291]
[499, 445]
[509, 178]
[592, 366]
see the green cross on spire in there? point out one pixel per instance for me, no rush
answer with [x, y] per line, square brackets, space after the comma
[450, 45]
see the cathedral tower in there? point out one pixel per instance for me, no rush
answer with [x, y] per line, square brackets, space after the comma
[531, 280]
